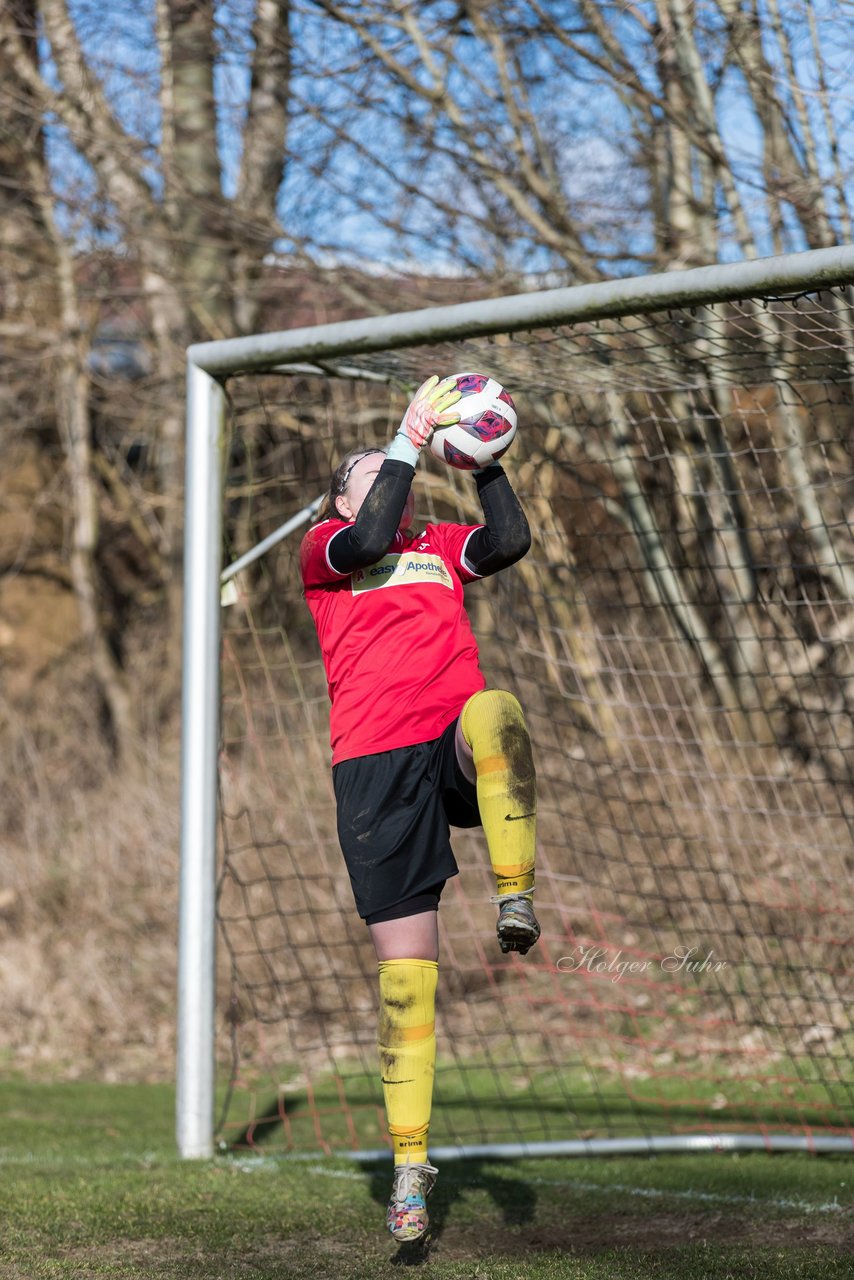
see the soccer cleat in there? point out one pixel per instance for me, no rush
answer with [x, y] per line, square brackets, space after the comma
[407, 1217]
[517, 926]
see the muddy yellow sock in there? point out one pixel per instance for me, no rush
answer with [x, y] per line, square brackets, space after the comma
[407, 1045]
[494, 727]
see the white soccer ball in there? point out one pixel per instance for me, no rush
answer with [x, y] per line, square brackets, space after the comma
[486, 427]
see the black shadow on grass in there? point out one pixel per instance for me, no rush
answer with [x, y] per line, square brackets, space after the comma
[513, 1197]
[266, 1123]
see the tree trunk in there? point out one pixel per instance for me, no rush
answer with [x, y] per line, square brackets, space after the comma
[72, 409]
[27, 297]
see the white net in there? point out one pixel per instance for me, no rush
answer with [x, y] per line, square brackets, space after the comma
[680, 639]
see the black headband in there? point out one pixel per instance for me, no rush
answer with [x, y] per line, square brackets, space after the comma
[342, 484]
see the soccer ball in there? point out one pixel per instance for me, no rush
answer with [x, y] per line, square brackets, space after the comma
[486, 427]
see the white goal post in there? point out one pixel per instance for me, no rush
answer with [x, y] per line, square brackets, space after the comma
[209, 364]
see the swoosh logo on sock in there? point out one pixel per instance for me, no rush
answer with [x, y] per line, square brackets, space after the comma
[509, 817]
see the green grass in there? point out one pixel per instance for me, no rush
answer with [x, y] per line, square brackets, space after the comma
[92, 1188]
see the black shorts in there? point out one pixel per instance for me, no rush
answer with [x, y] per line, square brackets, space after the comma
[395, 810]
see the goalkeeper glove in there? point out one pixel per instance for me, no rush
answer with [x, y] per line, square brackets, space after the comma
[429, 408]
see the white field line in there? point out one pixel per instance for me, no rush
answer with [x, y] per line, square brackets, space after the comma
[55, 1161]
[652, 1193]
[270, 1164]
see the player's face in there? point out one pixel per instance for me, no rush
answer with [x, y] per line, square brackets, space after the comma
[363, 474]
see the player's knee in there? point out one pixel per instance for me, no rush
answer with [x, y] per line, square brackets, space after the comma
[489, 711]
[407, 1000]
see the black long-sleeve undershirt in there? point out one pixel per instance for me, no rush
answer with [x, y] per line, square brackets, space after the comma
[504, 538]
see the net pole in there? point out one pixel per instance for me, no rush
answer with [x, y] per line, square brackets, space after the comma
[199, 745]
[814, 1143]
[272, 539]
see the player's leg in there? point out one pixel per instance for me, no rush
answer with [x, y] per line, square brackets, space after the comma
[410, 935]
[407, 951]
[395, 838]
[494, 745]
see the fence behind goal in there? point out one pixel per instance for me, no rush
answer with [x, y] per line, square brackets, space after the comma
[680, 639]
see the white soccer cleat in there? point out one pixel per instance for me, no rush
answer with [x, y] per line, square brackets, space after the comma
[407, 1216]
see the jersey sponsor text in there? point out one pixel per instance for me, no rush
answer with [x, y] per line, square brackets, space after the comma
[402, 569]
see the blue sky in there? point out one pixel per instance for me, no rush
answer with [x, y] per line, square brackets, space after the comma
[346, 200]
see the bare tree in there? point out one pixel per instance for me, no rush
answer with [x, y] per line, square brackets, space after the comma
[574, 137]
[26, 294]
[198, 252]
[592, 137]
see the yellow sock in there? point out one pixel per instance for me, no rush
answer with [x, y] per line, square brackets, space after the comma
[494, 727]
[407, 1045]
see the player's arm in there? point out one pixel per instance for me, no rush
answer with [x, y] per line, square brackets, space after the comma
[369, 537]
[371, 534]
[506, 536]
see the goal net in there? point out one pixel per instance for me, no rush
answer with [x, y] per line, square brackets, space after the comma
[680, 637]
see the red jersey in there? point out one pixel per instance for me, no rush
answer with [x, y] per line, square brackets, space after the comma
[400, 656]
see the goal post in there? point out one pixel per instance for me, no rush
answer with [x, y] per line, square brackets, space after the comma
[729, 655]
[199, 747]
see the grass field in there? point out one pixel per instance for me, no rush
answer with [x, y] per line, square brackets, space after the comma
[92, 1188]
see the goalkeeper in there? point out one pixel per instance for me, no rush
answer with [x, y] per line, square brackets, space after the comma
[418, 744]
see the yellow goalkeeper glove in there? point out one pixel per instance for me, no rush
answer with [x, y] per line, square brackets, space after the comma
[429, 408]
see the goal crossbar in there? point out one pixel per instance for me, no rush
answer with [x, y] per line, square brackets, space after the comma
[638, 294]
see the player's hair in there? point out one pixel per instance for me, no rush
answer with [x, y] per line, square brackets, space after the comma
[338, 483]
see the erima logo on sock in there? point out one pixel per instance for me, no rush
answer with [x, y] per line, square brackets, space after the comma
[517, 817]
